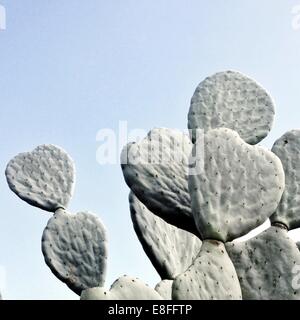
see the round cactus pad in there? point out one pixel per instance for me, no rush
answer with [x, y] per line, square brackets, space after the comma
[235, 187]
[287, 148]
[75, 249]
[125, 288]
[267, 266]
[232, 100]
[43, 178]
[211, 277]
[156, 170]
[170, 249]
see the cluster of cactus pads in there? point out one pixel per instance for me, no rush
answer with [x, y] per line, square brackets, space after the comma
[192, 196]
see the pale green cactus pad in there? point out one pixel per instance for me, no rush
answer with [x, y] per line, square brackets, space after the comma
[287, 148]
[211, 277]
[232, 100]
[164, 288]
[156, 170]
[170, 249]
[125, 288]
[75, 249]
[43, 178]
[267, 266]
[236, 186]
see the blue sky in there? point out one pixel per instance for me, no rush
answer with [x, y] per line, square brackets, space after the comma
[71, 68]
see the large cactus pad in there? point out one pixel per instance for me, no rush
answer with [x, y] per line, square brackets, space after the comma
[235, 187]
[266, 266]
[232, 100]
[156, 170]
[170, 249]
[211, 277]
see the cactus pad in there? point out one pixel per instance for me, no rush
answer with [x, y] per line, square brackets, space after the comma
[170, 249]
[232, 100]
[211, 277]
[44, 177]
[75, 249]
[164, 288]
[237, 186]
[156, 170]
[125, 288]
[287, 148]
[265, 265]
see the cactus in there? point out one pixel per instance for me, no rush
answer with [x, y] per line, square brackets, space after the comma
[74, 246]
[75, 249]
[124, 288]
[272, 278]
[43, 178]
[233, 177]
[264, 265]
[211, 277]
[188, 200]
[156, 170]
[287, 148]
[170, 249]
[164, 288]
[232, 100]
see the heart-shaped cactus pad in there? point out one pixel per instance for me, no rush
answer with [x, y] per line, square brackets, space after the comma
[43, 178]
[156, 170]
[235, 187]
[75, 249]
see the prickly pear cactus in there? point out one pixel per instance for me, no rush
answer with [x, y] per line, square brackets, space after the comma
[156, 170]
[232, 100]
[236, 187]
[287, 148]
[124, 288]
[164, 288]
[170, 249]
[75, 249]
[218, 189]
[44, 177]
[212, 276]
[266, 265]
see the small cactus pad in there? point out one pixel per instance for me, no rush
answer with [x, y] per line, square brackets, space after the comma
[287, 148]
[170, 249]
[75, 249]
[43, 178]
[236, 186]
[156, 170]
[164, 288]
[231, 100]
[125, 288]
[211, 277]
[267, 266]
